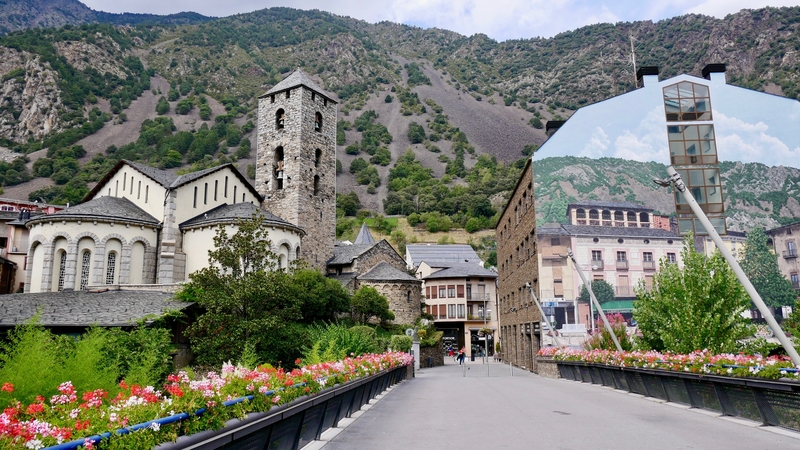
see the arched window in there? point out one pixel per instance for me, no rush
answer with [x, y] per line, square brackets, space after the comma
[580, 213]
[111, 267]
[297, 252]
[317, 157]
[280, 118]
[618, 216]
[644, 217]
[606, 214]
[631, 219]
[86, 258]
[318, 122]
[593, 214]
[278, 169]
[62, 267]
[316, 184]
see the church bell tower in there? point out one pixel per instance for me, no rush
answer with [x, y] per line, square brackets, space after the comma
[296, 162]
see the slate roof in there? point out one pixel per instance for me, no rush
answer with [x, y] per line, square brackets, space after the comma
[345, 254]
[169, 180]
[83, 308]
[232, 213]
[384, 271]
[551, 229]
[344, 279]
[462, 271]
[298, 78]
[608, 205]
[442, 255]
[364, 236]
[102, 208]
[584, 230]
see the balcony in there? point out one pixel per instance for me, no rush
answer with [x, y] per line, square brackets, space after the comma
[796, 285]
[565, 294]
[479, 298]
[622, 265]
[789, 254]
[624, 291]
[597, 264]
[649, 265]
[479, 317]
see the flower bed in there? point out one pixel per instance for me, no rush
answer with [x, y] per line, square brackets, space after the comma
[184, 406]
[699, 362]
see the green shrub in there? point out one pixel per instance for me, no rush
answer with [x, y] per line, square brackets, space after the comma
[334, 342]
[400, 343]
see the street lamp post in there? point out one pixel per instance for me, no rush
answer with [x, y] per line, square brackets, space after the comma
[485, 335]
[675, 180]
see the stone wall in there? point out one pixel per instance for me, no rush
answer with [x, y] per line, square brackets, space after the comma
[517, 265]
[435, 353]
[306, 193]
[546, 367]
[403, 296]
[381, 251]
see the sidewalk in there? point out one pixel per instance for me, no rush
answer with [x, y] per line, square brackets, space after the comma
[463, 408]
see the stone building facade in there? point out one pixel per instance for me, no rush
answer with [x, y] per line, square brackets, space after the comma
[785, 243]
[401, 289]
[296, 161]
[517, 266]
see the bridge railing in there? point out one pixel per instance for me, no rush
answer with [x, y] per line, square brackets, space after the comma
[771, 402]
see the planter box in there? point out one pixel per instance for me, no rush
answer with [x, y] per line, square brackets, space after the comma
[771, 402]
[547, 367]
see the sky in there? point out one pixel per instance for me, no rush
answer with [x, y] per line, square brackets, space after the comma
[499, 19]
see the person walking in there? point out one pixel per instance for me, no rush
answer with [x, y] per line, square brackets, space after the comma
[461, 355]
[450, 350]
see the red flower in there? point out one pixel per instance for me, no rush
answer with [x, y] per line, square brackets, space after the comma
[35, 408]
[8, 387]
[82, 425]
[175, 390]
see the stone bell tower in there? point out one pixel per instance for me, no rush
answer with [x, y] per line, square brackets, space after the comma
[296, 162]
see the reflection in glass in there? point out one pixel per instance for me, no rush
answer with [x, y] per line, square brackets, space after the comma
[687, 101]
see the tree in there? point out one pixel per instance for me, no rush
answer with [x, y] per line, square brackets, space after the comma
[388, 98]
[367, 303]
[761, 267]
[322, 298]
[603, 290]
[416, 133]
[162, 107]
[694, 308]
[536, 123]
[246, 301]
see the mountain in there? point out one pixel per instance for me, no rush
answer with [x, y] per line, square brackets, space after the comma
[18, 15]
[184, 97]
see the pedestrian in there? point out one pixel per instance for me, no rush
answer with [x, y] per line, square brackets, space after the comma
[450, 350]
[461, 355]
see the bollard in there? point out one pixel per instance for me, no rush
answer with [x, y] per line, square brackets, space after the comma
[430, 361]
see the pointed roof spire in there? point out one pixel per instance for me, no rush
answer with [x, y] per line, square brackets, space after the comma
[364, 236]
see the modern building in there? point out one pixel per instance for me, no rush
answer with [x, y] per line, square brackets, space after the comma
[785, 244]
[437, 255]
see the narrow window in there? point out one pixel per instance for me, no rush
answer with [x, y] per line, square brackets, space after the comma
[146, 193]
[278, 169]
[109, 192]
[216, 187]
[116, 189]
[124, 178]
[131, 186]
[225, 189]
[62, 267]
[318, 122]
[86, 258]
[279, 119]
[324, 101]
[288, 93]
[234, 194]
[313, 96]
[317, 157]
[316, 184]
[243, 200]
[194, 202]
[139, 191]
[272, 98]
[111, 267]
[205, 193]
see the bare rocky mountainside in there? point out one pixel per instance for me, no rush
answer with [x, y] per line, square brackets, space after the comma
[431, 122]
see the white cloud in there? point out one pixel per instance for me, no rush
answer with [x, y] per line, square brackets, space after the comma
[738, 140]
[597, 145]
[647, 142]
[721, 8]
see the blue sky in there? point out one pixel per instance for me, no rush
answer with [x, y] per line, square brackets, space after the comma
[501, 20]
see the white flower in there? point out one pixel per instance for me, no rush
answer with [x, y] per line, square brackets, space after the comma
[155, 426]
[34, 444]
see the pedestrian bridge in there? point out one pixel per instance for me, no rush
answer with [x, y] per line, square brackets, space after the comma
[492, 406]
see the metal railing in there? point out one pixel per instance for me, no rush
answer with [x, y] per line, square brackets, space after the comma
[771, 402]
[649, 265]
[789, 254]
[622, 265]
[597, 264]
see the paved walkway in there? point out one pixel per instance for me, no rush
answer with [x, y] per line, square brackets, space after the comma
[441, 408]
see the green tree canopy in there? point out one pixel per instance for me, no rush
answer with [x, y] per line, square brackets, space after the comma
[245, 300]
[322, 297]
[603, 290]
[694, 308]
[761, 267]
[367, 303]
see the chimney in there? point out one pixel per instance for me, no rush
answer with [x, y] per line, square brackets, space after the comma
[715, 73]
[647, 76]
[552, 126]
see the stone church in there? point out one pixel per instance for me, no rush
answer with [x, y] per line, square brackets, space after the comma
[145, 226]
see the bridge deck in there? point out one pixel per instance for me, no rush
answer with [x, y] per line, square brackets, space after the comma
[441, 408]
